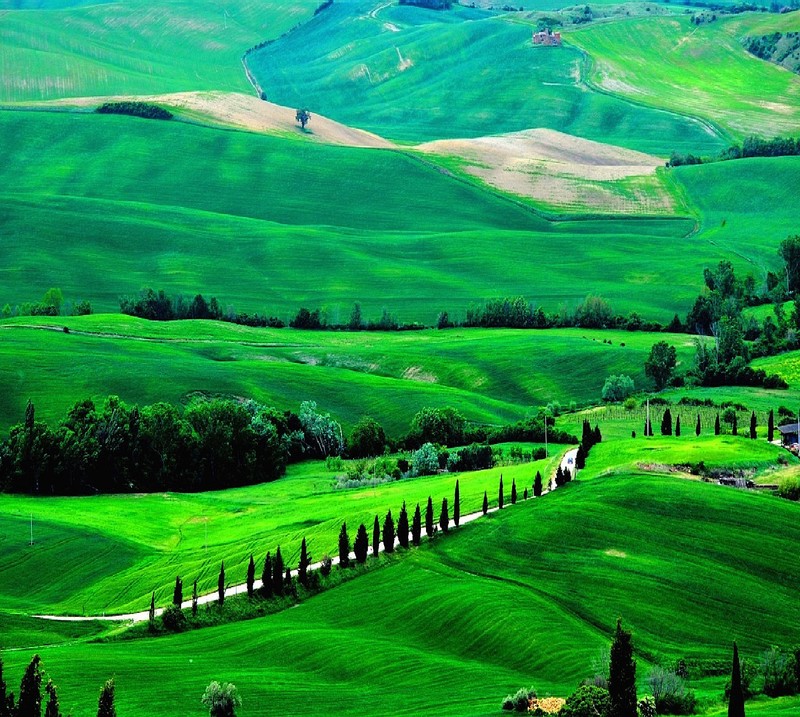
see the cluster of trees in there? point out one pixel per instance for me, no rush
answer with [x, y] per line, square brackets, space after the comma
[135, 109]
[317, 320]
[214, 443]
[777, 47]
[752, 146]
[30, 700]
[51, 304]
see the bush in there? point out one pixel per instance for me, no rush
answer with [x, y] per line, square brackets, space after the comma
[520, 700]
[790, 488]
[778, 671]
[471, 458]
[587, 701]
[617, 388]
[135, 109]
[425, 461]
[173, 619]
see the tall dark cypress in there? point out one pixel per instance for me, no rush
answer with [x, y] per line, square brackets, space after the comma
[666, 423]
[361, 544]
[622, 675]
[105, 704]
[500, 494]
[402, 527]
[735, 425]
[771, 426]
[251, 577]
[302, 566]
[716, 425]
[221, 584]
[678, 427]
[376, 536]
[277, 572]
[444, 517]
[525, 493]
[485, 507]
[753, 425]
[416, 527]
[537, 485]
[266, 577]
[177, 593]
[6, 699]
[513, 491]
[388, 533]
[344, 547]
[457, 506]
[29, 703]
[697, 428]
[580, 457]
[52, 709]
[429, 518]
[194, 598]
[736, 696]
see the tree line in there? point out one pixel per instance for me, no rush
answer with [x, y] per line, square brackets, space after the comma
[146, 110]
[752, 146]
[51, 304]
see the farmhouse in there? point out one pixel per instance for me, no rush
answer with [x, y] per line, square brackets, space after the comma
[545, 37]
[788, 433]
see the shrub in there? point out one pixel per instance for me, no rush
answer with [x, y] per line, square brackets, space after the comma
[135, 109]
[425, 461]
[790, 488]
[520, 700]
[173, 619]
[471, 458]
[587, 701]
[777, 669]
[617, 388]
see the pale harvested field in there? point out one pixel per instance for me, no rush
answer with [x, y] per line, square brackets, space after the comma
[563, 172]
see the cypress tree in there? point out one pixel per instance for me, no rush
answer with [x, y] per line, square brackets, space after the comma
[51, 710]
[580, 458]
[622, 675]
[567, 475]
[302, 566]
[457, 506]
[597, 437]
[388, 533]
[277, 573]
[416, 527]
[402, 527]
[6, 699]
[177, 593]
[537, 485]
[344, 547]
[513, 491]
[151, 616]
[105, 705]
[500, 494]
[361, 545]
[736, 696]
[586, 434]
[376, 536]
[753, 425]
[697, 428]
[525, 493]
[221, 584]
[485, 507]
[771, 426]
[429, 518]
[266, 577]
[666, 423]
[194, 598]
[288, 583]
[716, 425]
[30, 691]
[251, 577]
[559, 476]
[444, 517]
[735, 426]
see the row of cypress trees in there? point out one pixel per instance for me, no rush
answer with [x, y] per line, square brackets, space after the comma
[667, 430]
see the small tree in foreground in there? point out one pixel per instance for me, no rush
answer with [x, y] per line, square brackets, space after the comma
[361, 545]
[622, 674]
[416, 527]
[251, 577]
[402, 527]
[444, 518]
[302, 116]
[388, 533]
[177, 593]
[500, 494]
[485, 507]
[537, 485]
[736, 697]
[51, 710]
[513, 491]
[221, 699]
[105, 704]
[344, 547]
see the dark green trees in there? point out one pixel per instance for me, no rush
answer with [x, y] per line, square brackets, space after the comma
[771, 426]
[302, 566]
[537, 485]
[697, 428]
[457, 506]
[388, 533]
[513, 491]
[500, 494]
[661, 363]
[416, 527]
[361, 545]
[735, 425]
[251, 577]
[666, 423]
[302, 116]
[444, 517]
[277, 573]
[485, 507]
[736, 697]
[105, 704]
[221, 584]
[622, 675]
[194, 598]
[6, 699]
[678, 427]
[753, 425]
[402, 527]
[344, 547]
[366, 439]
[177, 593]
[266, 577]
[376, 536]
[52, 709]
[716, 425]
[30, 690]
[429, 518]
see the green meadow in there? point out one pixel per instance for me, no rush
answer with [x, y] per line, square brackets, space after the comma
[413, 75]
[526, 596]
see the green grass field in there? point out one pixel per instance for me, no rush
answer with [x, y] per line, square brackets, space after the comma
[700, 70]
[133, 47]
[410, 74]
[528, 596]
[390, 376]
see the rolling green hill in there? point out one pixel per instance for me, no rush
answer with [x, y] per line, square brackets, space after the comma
[412, 74]
[527, 596]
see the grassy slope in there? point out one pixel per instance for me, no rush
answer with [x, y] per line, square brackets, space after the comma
[702, 70]
[344, 63]
[527, 596]
[135, 47]
[389, 376]
[155, 537]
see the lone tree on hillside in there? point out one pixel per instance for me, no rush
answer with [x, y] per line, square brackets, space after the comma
[736, 696]
[500, 494]
[622, 675]
[537, 485]
[485, 507]
[661, 363]
[105, 704]
[302, 116]
[221, 699]
[513, 491]
[221, 584]
[251, 576]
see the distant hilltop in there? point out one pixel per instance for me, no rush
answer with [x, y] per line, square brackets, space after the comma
[545, 37]
[430, 4]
